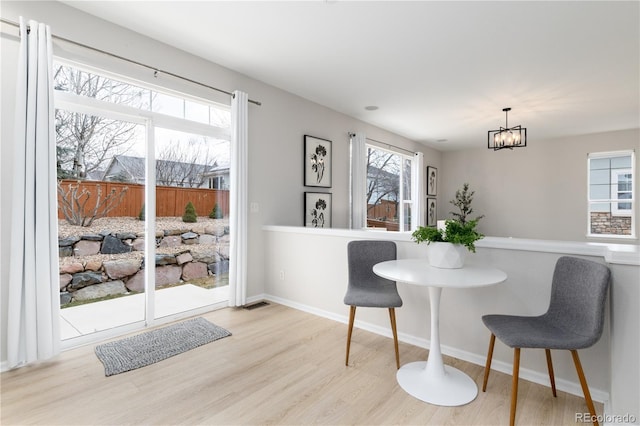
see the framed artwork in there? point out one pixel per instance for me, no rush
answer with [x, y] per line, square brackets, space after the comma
[317, 209]
[432, 212]
[317, 162]
[432, 181]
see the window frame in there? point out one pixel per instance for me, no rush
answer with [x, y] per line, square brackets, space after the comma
[615, 180]
[403, 199]
[613, 201]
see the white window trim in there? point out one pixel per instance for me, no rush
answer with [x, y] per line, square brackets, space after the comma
[86, 105]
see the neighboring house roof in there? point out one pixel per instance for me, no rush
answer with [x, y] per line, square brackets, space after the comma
[95, 175]
[170, 173]
[218, 169]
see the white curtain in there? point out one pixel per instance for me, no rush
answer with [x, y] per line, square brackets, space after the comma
[418, 193]
[239, 190]
[358, 181]
[33, 320]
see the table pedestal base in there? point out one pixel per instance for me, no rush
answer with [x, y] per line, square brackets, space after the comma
[451, 389]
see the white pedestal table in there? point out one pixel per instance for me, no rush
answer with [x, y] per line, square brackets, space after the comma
[432, 381]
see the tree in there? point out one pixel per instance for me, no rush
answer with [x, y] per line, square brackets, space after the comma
[463, 200]
[383, 177]
[184, 166]
[85, 143]
[73, 203]
[190, 215]
[216, 212]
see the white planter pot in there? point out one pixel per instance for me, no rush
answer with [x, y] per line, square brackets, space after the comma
[446, 255]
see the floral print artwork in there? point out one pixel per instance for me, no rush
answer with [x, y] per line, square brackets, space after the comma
[317, 162]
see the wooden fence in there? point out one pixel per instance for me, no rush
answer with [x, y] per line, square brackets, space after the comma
[170, 201]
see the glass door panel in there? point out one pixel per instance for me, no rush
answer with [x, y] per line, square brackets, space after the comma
[192, 221]
[101, 187]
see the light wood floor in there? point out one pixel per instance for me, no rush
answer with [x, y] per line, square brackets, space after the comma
[281, 366]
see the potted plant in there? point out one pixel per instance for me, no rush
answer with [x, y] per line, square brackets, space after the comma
[452, 239]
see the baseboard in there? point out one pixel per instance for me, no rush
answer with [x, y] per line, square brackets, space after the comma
[570, 387]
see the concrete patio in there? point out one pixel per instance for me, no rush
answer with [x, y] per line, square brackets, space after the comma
[98, 316]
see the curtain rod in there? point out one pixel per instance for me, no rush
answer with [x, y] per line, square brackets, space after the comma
[122, 58]
[385, 143]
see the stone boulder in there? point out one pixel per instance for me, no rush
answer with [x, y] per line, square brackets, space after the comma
[206, 257]
[66, 251]
[67, 242]
[189, 238]
[138, 244]
[194, 270]
[64, 280]
[165, 259]
[71, 268]
[169, 274]
[121, 268]
[86, 248]
[65, 297]
[110, 288]
[84, 279]
[93, 265]
[126, 236]
[92, 237]
[113, 245]
[183, 258]
[168, 232]
[136, 282]
[171, 241]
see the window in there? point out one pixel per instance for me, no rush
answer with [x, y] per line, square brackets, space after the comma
[191, 136]
[611, 201]
[388, 192]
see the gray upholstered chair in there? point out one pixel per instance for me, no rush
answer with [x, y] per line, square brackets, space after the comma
[573, 321]
[366, 289]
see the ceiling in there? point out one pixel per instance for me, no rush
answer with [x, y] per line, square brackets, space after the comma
[439, 72]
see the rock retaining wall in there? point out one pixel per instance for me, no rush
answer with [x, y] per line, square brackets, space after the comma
[195, 255]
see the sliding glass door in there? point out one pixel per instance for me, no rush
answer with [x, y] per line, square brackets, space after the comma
[143, 201]
[192, 227]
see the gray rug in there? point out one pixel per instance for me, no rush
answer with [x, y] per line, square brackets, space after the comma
[153, 346]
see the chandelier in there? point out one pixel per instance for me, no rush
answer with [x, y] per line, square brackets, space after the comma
[507, 137]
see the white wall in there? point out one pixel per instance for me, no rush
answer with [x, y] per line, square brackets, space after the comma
[276, 128]
[315, 277]
[535, 192]
[307, 269]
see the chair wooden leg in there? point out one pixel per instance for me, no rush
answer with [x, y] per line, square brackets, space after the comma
[392, 317]
[487, 367]
[585, 388]
[514, 385]
[352, 315]
[550, 368]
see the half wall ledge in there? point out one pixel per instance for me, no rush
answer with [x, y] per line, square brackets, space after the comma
[617, 254]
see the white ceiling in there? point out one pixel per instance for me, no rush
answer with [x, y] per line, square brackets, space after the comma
[436, 70]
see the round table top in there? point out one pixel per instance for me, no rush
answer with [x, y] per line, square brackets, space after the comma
[419, 272]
